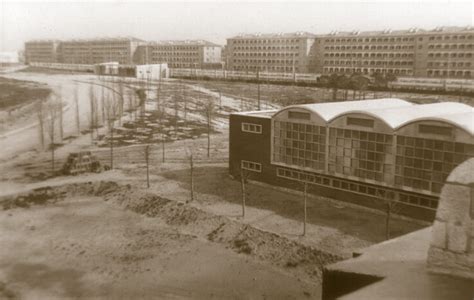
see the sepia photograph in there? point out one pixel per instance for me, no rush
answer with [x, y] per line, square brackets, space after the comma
[237, 149]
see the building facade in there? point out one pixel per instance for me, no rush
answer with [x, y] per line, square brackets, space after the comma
[285, 52]
[45, 51]
[442, 52]
[95, 51]
[196, 54]
[368, 152]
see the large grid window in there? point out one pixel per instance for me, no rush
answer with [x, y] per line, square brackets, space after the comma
[361, 154]
[251, 166]
[299, 144]
[426, 163]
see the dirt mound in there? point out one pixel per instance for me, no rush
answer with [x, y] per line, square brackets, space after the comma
[242, 238]
[303, 261]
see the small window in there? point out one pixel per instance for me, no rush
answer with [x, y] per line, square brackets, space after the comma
[299, 115]
[252, 128]
[251, 166]
[360, 122]
[433, 129]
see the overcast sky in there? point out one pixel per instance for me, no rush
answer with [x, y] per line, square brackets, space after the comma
[215, 21]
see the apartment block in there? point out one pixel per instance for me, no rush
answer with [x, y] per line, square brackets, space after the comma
[197, 54]
[283, 52]
[441, 52]
[94, 51]
[41, 51]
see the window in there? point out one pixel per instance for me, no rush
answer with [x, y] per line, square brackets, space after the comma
[360, 122]
[251, 166]
[299, 115]
[252, 128]
[433, 129]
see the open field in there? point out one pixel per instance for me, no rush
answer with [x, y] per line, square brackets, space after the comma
[15, 93]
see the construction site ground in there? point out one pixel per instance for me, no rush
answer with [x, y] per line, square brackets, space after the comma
[107, 235]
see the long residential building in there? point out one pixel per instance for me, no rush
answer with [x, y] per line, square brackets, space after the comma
[198, 54]
[368, 152]
[442, 52]
[284, 52]
[44, 51]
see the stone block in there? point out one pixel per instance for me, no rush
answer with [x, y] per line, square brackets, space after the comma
[455, 203]
[457, 238]
[438, 235]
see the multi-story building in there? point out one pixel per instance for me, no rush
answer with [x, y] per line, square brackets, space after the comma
[284, 52]
[94, 51]
[41, 51]
[197, 54]
[367, 152]
[442, 52]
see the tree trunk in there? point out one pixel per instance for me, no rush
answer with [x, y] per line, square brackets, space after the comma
[192, 178]
[305, 207]
[242, 183]
[163, 147]
[387, 220]
[147, 154]
[78, 121]
[61, 129]
[209, 137]
[112, 146]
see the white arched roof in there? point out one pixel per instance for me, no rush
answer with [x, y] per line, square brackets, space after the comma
[396, 113]
[329, 110]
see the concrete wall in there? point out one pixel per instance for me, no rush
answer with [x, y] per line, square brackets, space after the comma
[452, 245]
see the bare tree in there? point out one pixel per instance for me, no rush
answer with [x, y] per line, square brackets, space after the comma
[92, 117]
[111, 110]
[52, 112]
[391, 207]
[244, 175]
[192, 176]
[76, 102]
[60, 103]
[305, 196]
[147, 161]
[40, 115]
[208, 111]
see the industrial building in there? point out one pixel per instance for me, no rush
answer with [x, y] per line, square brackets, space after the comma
[284, 52]
[368, 152]
[442, 52]
[197, 54]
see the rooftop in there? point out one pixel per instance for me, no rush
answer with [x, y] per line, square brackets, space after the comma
[396, 112]
[399, 32]
[299, 34]
[398, 271]
[184, 43]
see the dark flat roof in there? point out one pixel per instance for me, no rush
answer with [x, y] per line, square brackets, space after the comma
[401, 263]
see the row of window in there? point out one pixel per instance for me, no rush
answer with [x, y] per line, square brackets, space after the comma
[368, 71]
[367, 40]
[373, 47]
[440, 54]
[368, 63]
[263, 41]
[252, 128]
[265, 54]
[384, 54]
[268, 48]
[448, 64]
[460, 74]
[270, 61]
[364, 189]
[450, 46]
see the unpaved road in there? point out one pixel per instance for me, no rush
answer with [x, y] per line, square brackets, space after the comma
[84, 247]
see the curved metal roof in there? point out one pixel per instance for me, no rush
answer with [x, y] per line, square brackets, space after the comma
[396, 113]
[329, 110]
